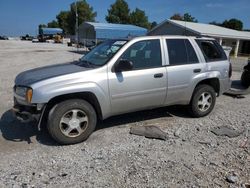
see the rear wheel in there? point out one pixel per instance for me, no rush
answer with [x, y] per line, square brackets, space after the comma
[203, 101]
[245, 78]
[72, 121]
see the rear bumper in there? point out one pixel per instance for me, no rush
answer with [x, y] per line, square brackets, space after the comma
[225, 85]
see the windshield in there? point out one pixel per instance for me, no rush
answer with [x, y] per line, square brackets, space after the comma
[102, 53]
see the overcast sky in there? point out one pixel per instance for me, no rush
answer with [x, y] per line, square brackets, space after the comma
[19, 17]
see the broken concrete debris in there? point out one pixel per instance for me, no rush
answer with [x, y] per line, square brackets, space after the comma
[232, 179]
[226, 131]
[149, 132]
[177, 133]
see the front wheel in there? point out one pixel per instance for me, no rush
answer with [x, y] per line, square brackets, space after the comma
[203, 101]
[72, 121]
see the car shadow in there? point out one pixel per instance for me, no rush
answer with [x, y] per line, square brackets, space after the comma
[15, 131]
[140, 116]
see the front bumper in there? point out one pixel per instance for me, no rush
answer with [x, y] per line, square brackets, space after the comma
[25, 113]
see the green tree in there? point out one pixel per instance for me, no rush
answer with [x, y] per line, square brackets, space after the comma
[119, 12]
[153, 24]
[215, 23]
[186, 17]
[62, 19]
[176, 16]
[40, 26]
[53, 24]
[139, 18]
[85, 13]
[66, 20]
[189, 18]
[233, 24]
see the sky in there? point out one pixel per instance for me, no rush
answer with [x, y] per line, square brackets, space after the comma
[20, 17]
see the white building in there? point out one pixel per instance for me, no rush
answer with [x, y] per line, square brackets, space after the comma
[238, 40]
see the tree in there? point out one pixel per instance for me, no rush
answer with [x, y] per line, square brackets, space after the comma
[139, 18]
[66, 20]
[62, 19]
[153, 24]
[233, 24]
[186, 17]
[85, 13]
[53, 24]
[40, 27]
[189, 18]
[177, 16]
[119, 13]
[215, 23]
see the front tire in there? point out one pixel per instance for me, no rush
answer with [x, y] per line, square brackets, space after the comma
[203, 101]
[72, 121]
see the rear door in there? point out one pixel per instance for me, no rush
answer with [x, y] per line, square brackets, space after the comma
[215, 56]
[183, 66]
[145, 85]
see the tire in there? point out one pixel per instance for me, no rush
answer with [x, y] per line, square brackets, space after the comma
[203, 101]
[71, 121]
[245, 78]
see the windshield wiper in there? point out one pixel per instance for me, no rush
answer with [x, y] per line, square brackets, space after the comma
[82, 62]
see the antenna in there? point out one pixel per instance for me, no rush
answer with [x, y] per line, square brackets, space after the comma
[185, 28]
[76, 26]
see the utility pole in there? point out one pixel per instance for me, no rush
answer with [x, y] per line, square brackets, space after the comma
[76, 26]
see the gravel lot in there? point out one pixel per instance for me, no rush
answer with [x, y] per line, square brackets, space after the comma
[192, 156]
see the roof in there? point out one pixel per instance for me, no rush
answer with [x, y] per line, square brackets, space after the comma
[51, 31]
[110, 31]
[209, 30]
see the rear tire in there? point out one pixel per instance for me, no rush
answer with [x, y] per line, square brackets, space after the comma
[245, 78]
[71, 121]
[203, 101]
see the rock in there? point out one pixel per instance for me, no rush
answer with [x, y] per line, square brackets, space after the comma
[177, 133]
[63, 174]
[24, 185]
[149, 132]
[226, 131]
[232, 179]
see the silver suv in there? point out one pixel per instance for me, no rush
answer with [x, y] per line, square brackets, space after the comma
[121, 76]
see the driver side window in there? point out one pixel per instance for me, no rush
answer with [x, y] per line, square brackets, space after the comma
[144, 54]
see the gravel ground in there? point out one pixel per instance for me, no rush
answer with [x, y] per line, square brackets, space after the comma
[192, 156]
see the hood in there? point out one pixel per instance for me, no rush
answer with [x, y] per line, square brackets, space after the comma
[32, 76]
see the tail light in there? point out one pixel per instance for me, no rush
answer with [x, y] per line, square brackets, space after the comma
[230, 70]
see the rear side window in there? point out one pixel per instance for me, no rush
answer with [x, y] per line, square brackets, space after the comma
[181, 52]
[211, 50]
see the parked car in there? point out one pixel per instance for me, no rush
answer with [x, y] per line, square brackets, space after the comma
[245, 77]
[4, 38]
[27, 37]
[121, 76]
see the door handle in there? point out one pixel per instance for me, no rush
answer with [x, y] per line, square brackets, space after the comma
[159, 75]
[197, 70]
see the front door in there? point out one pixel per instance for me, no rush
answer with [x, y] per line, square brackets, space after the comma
[145, 85]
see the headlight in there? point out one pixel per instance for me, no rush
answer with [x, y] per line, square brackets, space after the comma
[25, 93]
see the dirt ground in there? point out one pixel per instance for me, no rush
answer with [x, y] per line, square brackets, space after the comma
[192, 156]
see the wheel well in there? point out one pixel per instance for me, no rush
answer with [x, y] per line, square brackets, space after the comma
[213, 82]
[88, 96]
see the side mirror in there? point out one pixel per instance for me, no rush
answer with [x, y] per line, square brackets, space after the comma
[123, 65]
